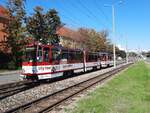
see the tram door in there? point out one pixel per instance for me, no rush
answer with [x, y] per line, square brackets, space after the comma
[46, 55]
[55, 56]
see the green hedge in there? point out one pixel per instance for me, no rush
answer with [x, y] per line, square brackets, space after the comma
[6, 61]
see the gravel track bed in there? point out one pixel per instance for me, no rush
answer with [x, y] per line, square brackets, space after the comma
[43, 90]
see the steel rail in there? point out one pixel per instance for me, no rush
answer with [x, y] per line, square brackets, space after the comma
[14, 88]
[50, 101]
[10, 89]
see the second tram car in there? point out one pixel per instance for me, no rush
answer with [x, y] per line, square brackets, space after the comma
[106, 59]
[46, 61]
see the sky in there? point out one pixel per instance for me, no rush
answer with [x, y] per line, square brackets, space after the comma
[132, 18]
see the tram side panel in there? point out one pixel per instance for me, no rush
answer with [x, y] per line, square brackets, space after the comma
[106, 59]
[74, 60]
[45, 62]
[92, 61]
[53, 63]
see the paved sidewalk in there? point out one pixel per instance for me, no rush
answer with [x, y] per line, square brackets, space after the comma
[10, 72]
[9, 76]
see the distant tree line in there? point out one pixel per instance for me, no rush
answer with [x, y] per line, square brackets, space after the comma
[97, 41]
[41, 26]
[146, 54]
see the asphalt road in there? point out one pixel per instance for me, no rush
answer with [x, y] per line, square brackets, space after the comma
[8, 77]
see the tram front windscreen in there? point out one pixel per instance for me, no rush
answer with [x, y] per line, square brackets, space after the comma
[30, 54]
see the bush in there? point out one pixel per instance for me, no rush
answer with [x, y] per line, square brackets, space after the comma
[6, 61]
[11, 65]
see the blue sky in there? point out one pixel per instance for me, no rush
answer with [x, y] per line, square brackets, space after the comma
[132, 18]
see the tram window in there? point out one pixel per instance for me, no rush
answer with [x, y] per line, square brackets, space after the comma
[101, 57]
[89, 57]
[76, 56]
[79, 56]
[55, 54]
[39, 57]
[72, 55]
[111, 57]
[108, 57]
[104, 57]
[64, 54]
[30, 54]
[46, 54]
[95, 57]
[92, 57]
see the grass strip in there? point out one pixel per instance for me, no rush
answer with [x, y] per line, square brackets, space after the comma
[127, 93]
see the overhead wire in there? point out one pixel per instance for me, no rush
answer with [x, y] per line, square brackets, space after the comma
[71, 18]
[91, 14]
[74, 23]
[85, 10]
[77, 7]
[102, 12]
[80, 9]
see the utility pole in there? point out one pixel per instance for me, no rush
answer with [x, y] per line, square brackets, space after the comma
[126, 51]
[113, 28]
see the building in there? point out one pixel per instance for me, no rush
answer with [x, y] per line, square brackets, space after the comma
[70, 38]
[3, 23]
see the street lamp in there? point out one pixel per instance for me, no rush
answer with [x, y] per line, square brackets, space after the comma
[113, 27]
[127, 52]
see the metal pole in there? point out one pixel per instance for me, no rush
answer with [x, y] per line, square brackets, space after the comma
[113, 30]
[126, 52]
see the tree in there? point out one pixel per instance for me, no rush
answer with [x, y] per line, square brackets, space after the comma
[52, 23]
[35, 24]
[132, 54]
[109, 47]
[121, 53]
[148, 54]
[92, 40]
[16, 14]
[43, 26]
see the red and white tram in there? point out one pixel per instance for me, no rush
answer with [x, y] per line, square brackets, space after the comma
[106, 59]
[45, 61]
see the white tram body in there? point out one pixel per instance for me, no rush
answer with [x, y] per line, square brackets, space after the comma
[106, 59]
[45, 61]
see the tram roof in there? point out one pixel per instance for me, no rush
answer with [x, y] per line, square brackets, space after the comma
[54, 46]
[106, 53]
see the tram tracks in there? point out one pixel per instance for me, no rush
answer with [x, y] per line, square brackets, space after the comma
[49, 102]
[10, 89]
[14, 88]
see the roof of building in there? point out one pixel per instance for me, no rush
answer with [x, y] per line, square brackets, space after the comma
[69, 33]
[3, 11]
